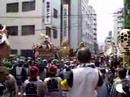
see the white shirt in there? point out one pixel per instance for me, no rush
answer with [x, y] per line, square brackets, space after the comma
[85, 80]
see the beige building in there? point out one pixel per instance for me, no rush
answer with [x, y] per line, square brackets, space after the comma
[59, 19]
[25, 21]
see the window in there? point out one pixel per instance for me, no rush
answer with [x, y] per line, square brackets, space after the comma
[95, 29]
[95, 38]
[28, 30]
[14, 51]
[12, 7]
[108, 37]
[95, 24]
[120, 22]
[55, 13]
[27, 53]
[95, 34]
[48, 31]
[12, 30]
[54, 32]
[28, 5]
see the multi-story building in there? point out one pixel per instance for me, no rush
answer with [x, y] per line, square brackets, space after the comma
[86, 22]
[108, 41]
[26, 19]
[89, 26]
[59, 19]
[76, 23]
[93, 30]
[65, 20]
[52, 20]
[24, 23]
[118, 23]
[83, 24]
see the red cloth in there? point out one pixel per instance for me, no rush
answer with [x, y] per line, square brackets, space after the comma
[52, 69]
[34, 71]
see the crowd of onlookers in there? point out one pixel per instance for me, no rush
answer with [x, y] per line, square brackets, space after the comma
[80, 76]
[42, 78]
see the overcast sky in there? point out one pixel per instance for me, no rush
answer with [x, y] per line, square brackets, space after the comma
[105, 10]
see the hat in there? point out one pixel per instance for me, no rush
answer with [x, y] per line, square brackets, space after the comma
[3, 72]
[55, 61]
[34, 71]
[52, 69]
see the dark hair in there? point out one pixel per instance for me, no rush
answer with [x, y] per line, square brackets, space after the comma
[122, 73]
[1, 26]
[129, 72]
[3, 44]
[84, 55]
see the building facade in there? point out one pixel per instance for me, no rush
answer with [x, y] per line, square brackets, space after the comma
[83, 24]
[26, 19]
[108, 41]
[52, 20]
[24, 22]
[118, 23]
[76, 23]
[72, 20]
[89, 26]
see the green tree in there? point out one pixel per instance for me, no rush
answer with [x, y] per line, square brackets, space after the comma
[127, 13]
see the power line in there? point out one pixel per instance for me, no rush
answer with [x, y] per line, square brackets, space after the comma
[53, 16]
[71, 27]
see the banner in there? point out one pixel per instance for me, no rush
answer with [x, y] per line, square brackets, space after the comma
[48, 12]
[65, 21]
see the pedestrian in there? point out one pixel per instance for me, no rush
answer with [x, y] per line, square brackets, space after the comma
[84, 80]
[52, 83]
[8, 86]
[33, 86]
[104, 90]
[121, 85]
[20, 74]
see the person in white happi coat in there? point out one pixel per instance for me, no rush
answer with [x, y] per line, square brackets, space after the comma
[84, 80]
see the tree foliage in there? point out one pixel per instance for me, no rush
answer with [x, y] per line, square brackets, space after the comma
[127, 15]
[127, 23]
[127, 2]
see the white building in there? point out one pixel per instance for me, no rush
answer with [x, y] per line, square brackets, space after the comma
[89, 25]
[25, 21]
[76, 23]
[83, 24]
[52, 20]
[92, 29]
[118, 23]
[108, 40]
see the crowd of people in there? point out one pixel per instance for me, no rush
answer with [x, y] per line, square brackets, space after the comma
[80, 76]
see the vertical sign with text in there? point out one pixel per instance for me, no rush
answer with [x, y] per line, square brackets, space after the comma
[65, 21]
[48, 11]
